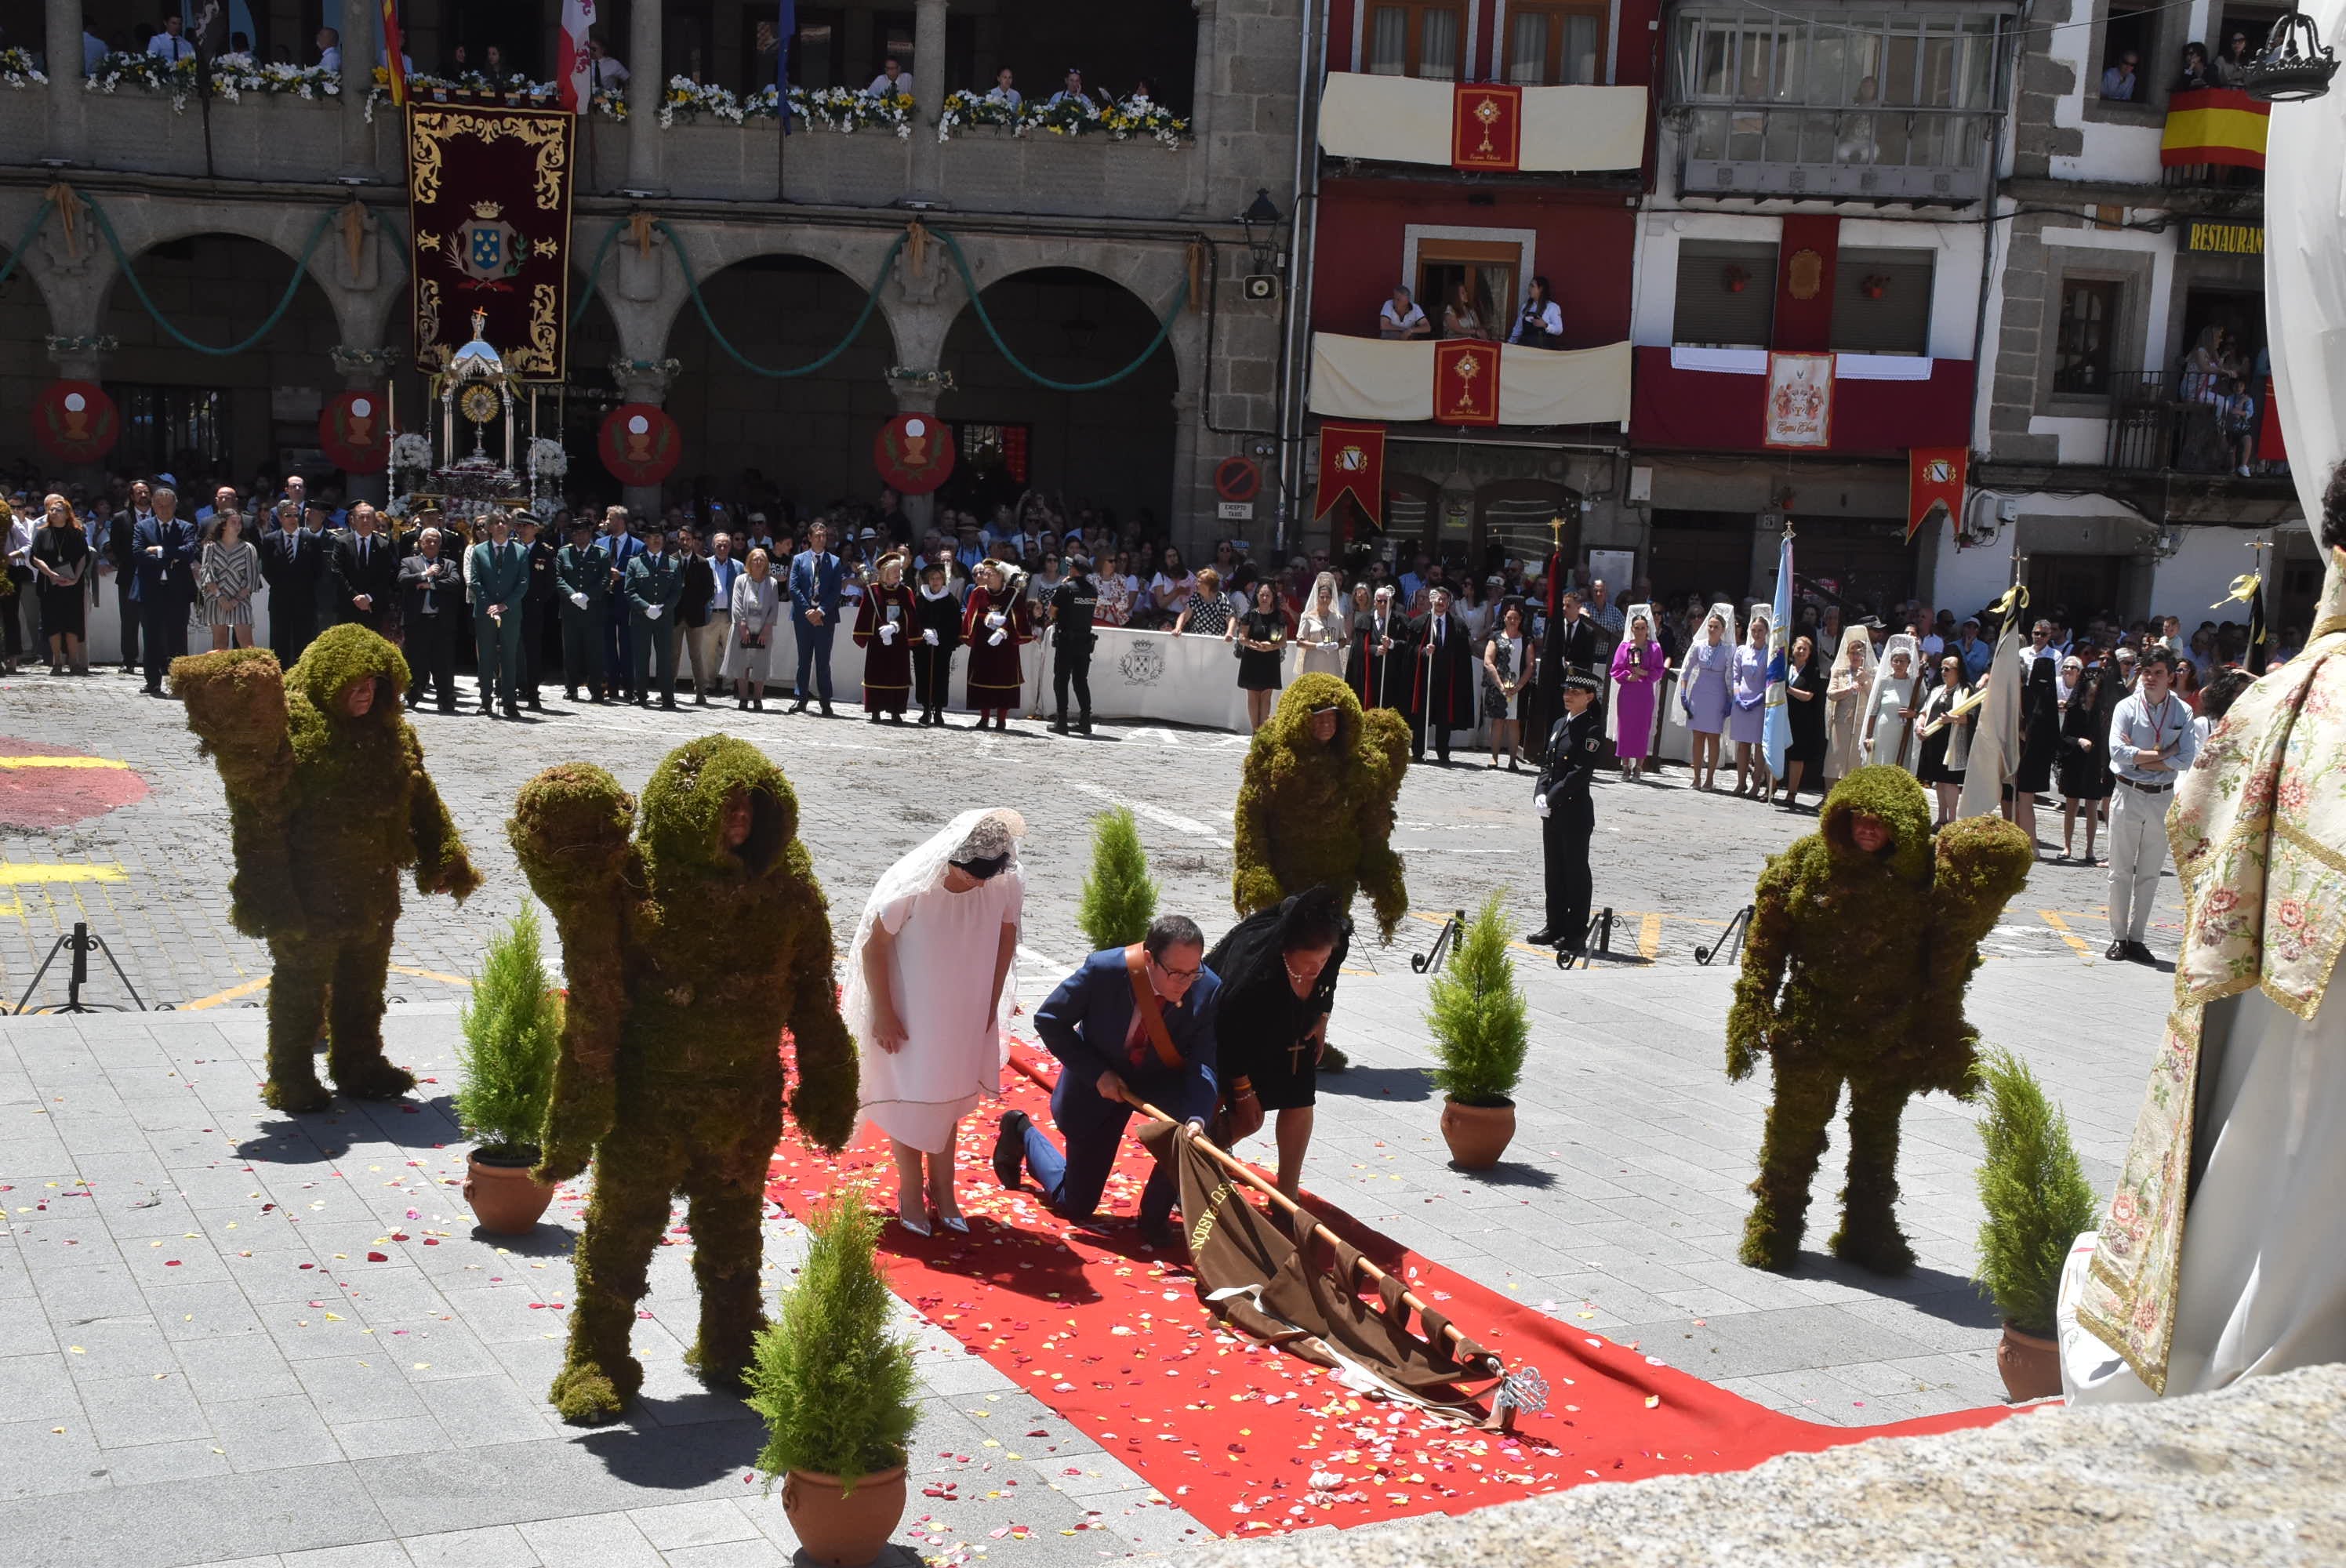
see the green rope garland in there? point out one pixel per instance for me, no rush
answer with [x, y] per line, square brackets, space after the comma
[595, 272]
[16, 251]
[293, 286]
[977, 303]
[692, 283]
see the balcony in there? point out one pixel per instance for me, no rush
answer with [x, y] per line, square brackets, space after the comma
[2214, 139]
[1392, 382]
[1913, 155]
[1402, 119]
[2160, 424]
[1715, 400]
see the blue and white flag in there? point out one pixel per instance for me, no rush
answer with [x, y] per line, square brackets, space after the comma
[1778, 734]
[786, 31]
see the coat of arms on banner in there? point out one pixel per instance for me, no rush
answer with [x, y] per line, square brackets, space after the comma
[486, 249]
[488, 201]
[1799, 400]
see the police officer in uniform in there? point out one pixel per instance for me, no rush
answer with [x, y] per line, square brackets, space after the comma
[1567, 818]
[582, 576]
[1072, 603]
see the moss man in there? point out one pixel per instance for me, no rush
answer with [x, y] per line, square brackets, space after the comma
[1854, 972]
[687, 950]
[1316, 803]
[327, 801]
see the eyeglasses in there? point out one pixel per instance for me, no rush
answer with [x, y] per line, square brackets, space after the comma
[1171, 973]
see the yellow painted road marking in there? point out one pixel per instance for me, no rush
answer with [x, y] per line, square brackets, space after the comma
[25, 873]
[432, 975]
[2054, 919]
[233, 994]
[62, 762]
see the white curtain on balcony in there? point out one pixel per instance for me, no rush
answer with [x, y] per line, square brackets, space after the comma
[1392, 382]
[1400, 119]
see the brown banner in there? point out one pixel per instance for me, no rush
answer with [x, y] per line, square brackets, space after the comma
[488, 212]
[1486, 127]
[1465, 381]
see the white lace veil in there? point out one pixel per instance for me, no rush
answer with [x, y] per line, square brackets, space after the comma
[987, 831]
[1857, 634]
[1724, 614]
[1339, 609]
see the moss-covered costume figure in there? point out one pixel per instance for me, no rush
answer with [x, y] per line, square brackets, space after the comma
[1318, 808]
[686, 950]
[327, 800]
[1854, 972]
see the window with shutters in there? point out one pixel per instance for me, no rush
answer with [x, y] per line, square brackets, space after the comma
[1727, 294]
[1556, 45]
[1416, 39]
[1881, 301]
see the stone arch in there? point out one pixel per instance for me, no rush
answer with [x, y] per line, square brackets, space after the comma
[1118, 448]
[658, 302]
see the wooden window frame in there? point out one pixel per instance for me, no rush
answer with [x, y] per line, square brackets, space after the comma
[1413, 57]
[2113, 319]
[1556, 12]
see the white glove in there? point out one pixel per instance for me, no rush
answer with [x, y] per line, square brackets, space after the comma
[888, 633]
[652, 612]
[929, 635]
[579, 600]
[996, 618]
[1539, 804]
[998, 639]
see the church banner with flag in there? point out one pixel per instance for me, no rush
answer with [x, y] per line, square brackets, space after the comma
[488, 204]
[1352, 463]
[1777, 736]
[1934, 479]
[571, 67]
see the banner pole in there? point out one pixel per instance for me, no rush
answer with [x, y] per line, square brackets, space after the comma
[1239, 1170]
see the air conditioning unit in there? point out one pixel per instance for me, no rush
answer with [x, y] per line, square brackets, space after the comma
[1260, 288]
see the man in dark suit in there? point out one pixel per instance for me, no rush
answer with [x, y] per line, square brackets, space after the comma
[166, 583]
[1131, 1025]
[655, 582]
[292, 563]
[122, 553]
[1572, 643]
[1445, 679]
[1378, 665]
[693, 610]
[619, 547]
[364, 566]
[815, 610]
[431, 606]
[535, 605]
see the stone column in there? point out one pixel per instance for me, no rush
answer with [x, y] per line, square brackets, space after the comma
[1205, 83]
[67, 141]
[81, 359]
[1188, 528]
[361, 30]
[642, 381]
[929, 78]
[646, 82]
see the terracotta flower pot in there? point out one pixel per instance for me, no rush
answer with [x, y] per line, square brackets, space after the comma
[505, 1197]
[1477, 1134]
[843, 1531]
[2031, 1365]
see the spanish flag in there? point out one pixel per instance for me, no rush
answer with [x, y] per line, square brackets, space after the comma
[2214, 125]
[394, 63]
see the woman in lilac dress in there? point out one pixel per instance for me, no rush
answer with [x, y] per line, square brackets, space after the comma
[1706, 690]
[1747, 726]
[1637, 666]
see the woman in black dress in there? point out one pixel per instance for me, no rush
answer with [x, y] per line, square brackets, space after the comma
[1261, 637]
[1804, 697]
[2040, 742]
[2084, 765]
[1278, 969]
[1948, 745]
[60, 559]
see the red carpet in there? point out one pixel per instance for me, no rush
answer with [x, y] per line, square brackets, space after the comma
[1114, 1341]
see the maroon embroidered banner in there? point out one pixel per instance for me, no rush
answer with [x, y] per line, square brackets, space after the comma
[76, 420]
[640, 442]
[488, 215]
[1465, 381]
[1486, 127]
[353, 434]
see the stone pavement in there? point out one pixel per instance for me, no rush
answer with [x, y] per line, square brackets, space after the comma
[1617, 1209]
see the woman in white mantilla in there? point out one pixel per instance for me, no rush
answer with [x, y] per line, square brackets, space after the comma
[1891, 709]
[931, 982]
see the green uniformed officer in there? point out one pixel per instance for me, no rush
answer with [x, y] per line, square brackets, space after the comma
[655, 583]
[582, 578]
[1576, 745]
[498, 576]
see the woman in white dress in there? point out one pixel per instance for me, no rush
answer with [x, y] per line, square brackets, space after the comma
[1890, 715]
[1320, 630]
[930, 984]
[1849, 695]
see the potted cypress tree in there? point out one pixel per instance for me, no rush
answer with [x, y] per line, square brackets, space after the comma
[2037, 1203]
[1120, 897]
[512, 1033]
[836, 1390]
[1481, 1032]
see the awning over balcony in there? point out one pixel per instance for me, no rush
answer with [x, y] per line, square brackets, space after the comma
[1400, 119]
[1716, 401]
[1392, 382]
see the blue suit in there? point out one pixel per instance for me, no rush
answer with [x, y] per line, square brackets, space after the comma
[618, 644]
[165, 587]
[1084, 1024]
[814, 585]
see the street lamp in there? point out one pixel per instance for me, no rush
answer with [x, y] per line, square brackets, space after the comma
[2295, 64]
[1262, 211]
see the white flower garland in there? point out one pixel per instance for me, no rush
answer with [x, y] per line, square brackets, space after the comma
[233, 76]
[547, 460]
[17, 70]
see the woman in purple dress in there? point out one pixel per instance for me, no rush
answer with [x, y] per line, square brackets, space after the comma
[1747, 726]
[1706, 690]
[1637, 666]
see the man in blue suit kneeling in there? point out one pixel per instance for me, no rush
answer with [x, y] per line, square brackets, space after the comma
[1130, 1025]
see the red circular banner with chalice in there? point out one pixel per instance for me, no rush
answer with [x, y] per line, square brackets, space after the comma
[353, 434]
[640, 443]
[914, 453]
[76, 420]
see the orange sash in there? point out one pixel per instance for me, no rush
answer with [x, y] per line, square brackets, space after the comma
[1152, 1017]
